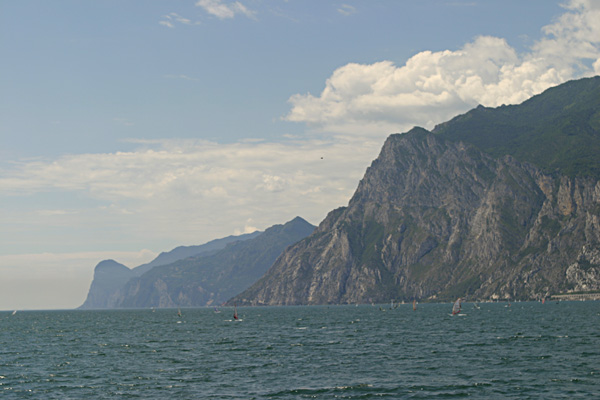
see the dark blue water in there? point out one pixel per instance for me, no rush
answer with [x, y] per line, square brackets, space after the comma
[528, 350]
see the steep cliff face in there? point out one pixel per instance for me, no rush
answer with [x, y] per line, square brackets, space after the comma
[109, 276]
[436, 219]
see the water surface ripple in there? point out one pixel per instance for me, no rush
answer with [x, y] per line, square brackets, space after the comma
[527, 350]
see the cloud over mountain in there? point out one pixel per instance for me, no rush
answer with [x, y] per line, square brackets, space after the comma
[433, 86]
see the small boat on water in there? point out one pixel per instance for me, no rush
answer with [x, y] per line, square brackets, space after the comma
[217, 311]
[179, 312]
[235, 315]
[456, 307]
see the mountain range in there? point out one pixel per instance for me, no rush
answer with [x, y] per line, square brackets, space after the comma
[193, 275]
[498, 203]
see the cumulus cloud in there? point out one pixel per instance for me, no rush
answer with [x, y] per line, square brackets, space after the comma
[572, 42]
[434, 86]
[223, 10]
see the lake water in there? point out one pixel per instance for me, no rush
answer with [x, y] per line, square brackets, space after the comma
[528, 350]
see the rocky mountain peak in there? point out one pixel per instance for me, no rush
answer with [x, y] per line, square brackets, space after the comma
[458, 213]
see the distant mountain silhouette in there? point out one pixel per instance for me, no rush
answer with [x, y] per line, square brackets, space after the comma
[221, 269]
[110, 276]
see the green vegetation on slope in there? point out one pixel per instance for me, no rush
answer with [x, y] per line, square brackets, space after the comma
[556, 130]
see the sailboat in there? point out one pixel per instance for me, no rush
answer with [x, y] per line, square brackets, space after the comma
[179, 312]
[235, 316]
[217, 310]
[456, 307]
[414, 305]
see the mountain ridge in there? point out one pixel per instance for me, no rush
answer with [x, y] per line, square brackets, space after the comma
[557, 130]
[110, 277]
[181, 252]
[436, 217]
[212, 279]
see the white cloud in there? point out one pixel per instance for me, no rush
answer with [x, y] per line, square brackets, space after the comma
[346, 10]
[223, 10]
[272, 183]
[171, 19]
[188, 192]
[432, 87]
[574, 39]
[248, 228]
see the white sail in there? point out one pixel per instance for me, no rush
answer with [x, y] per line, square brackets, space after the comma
[456, 307]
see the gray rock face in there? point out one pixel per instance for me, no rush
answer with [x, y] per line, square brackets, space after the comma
[437, 219]
[109, 276]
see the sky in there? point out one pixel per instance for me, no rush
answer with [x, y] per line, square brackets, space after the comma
[128, 128]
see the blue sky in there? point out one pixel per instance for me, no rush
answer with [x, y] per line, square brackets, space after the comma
[128, 128]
